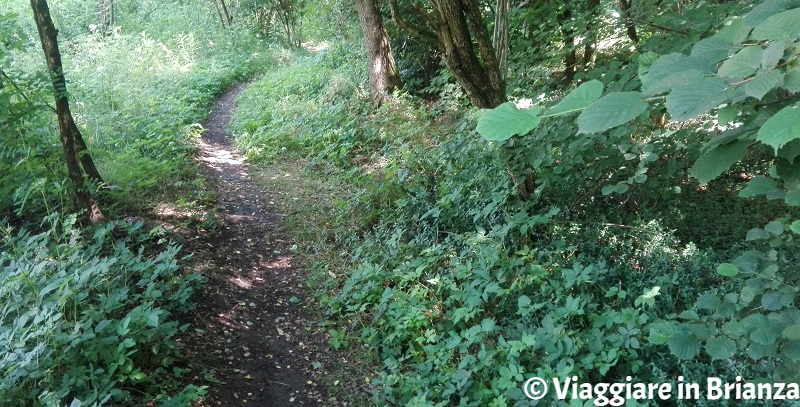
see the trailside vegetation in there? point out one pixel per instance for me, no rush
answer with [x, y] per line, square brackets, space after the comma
[630, 212]
[90, 310]
[557, 189]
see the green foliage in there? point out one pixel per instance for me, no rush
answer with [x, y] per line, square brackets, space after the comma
[88, 317]
[737, 75]
[137, 97]
[591, 238]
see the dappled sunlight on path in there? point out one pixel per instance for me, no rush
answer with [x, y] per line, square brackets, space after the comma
[255, 337]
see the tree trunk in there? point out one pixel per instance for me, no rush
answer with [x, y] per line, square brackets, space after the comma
[591, 34]
[224, 17]
[568, 34]
[456, 27]
[500, 37]
[630, 27]
[71, 139]
[383, 75]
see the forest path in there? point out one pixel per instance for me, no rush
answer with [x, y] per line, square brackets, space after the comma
[251, 329]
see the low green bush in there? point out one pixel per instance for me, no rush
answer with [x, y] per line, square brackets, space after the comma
[88, 316]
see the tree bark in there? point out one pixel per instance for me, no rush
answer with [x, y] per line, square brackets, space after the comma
[383, 75]
[75, 153]
[591, 34]
[630, 26]
[568, 34]
[500, 36]
[457, 29]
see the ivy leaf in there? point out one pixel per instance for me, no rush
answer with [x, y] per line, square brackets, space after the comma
[758, 186]
[610, 111]
[763, 83]
[688, 101]
[727, 270]
[781, 128]
[742, 64]
[578, 99]
[795, 227]
[684, 345]
[506, 120]
[720, 348]
[781, 26]
[716, 161]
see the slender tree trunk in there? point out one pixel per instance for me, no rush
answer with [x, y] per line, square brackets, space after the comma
[224, 17]
[568, 34]
[500, 37]
[383, 75]
[630, 26]
[591, 34]
[70, 135]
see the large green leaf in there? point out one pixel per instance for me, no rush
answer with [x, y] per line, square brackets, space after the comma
[684, 345]
[610, 111]
[688, 101]
[716, 161]
[735, 32]
[665, 83]
[781, 128]
[791, 332]
[506, 120]
[773, 54]
[713, 49]
[661, 331]
[727, 269]
[763, 83]
[720, 348]
[578, 99]
[782, 26]
[792, 80]
[742, 64]
[758, 186]
[764, 11]
[668, 66]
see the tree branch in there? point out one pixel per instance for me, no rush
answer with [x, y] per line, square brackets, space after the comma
[420, 32]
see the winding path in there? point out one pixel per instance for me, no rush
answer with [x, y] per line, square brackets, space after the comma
[251, 329]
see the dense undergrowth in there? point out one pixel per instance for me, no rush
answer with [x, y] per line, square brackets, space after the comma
[89, 314]
[460, 282]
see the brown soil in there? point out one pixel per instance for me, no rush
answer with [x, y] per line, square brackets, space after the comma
[252, 339]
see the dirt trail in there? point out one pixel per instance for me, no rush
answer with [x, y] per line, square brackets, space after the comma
[251, 327]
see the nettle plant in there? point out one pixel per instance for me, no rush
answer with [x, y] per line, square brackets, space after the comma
[742, 82]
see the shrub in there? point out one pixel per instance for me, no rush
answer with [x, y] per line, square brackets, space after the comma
[88, 316]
